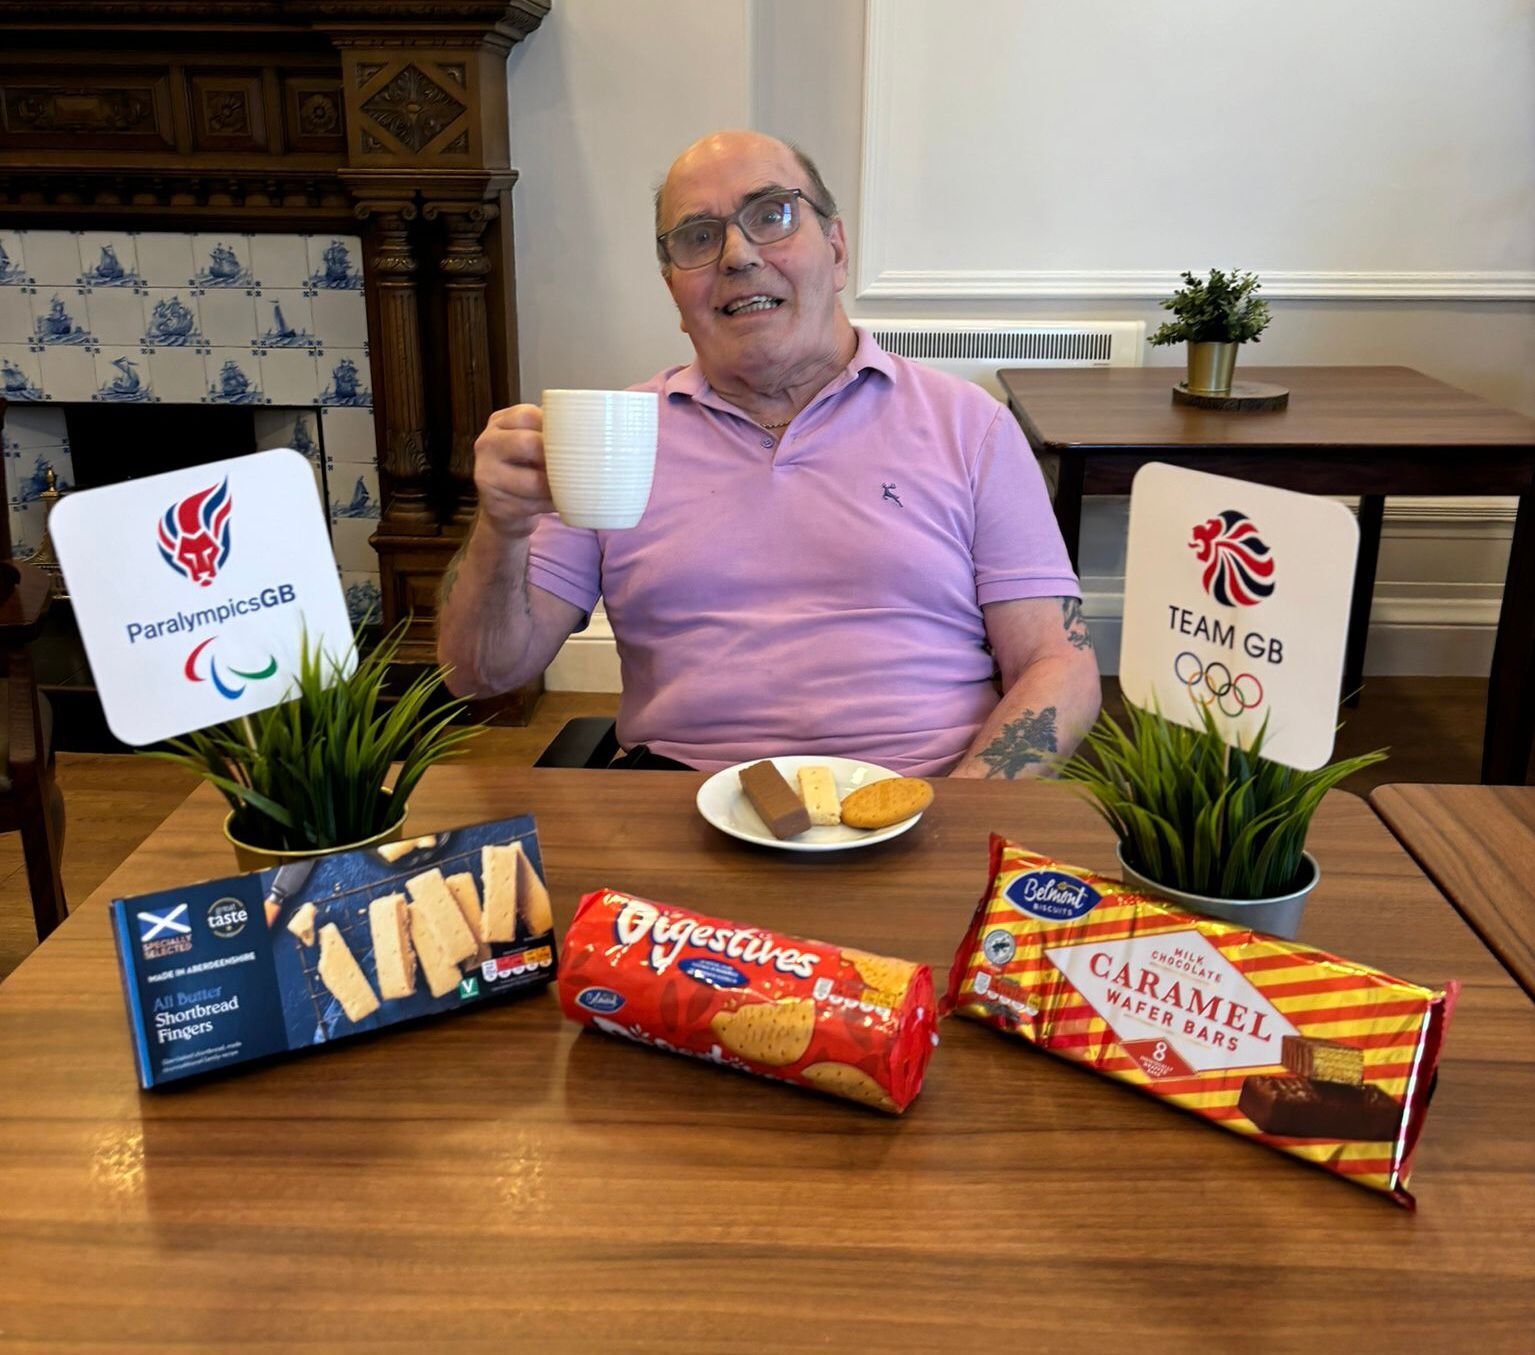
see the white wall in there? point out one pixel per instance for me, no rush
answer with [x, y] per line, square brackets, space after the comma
[1384, 137]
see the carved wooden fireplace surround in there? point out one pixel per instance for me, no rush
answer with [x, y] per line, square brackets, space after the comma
[308, 116]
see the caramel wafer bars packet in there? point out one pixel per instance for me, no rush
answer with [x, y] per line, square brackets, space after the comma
[1326, 1060]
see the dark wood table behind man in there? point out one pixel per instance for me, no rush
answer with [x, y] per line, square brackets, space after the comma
[497, 1178]
[1370, 431]
[1477, 843]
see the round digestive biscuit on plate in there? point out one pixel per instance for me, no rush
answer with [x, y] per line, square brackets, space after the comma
[886, 802]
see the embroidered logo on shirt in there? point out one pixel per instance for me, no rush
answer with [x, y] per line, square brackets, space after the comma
[891, 495]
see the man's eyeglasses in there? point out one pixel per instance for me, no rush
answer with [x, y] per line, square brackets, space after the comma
[764, 220]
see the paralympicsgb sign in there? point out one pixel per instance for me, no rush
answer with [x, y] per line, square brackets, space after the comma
[1237, 602]
[193, 589]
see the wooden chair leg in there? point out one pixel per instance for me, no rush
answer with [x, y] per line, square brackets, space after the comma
[42, 843]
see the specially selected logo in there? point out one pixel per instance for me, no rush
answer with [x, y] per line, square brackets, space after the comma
[194, 534]
[164, 931]
[1239, 567]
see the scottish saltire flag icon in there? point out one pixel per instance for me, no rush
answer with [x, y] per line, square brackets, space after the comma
[171, 921]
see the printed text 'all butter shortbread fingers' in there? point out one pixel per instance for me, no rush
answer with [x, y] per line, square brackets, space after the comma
[513, 889]
[340, 972]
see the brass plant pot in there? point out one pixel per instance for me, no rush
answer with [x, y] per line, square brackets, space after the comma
[1210, 368]
[260, 858]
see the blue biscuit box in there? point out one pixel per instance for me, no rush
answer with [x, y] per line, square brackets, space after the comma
[231, 970]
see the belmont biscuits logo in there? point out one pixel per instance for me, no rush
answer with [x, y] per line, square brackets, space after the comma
[1239, 567]
[194, 534]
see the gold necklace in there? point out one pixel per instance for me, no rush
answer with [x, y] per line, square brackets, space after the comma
[784, 424]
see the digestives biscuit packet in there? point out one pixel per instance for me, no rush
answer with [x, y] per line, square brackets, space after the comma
[840, 1021]
[1329, 1061]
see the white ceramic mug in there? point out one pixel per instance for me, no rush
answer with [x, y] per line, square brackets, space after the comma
[600, 451]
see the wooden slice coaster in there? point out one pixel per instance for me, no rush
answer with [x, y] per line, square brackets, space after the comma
[1250, 396]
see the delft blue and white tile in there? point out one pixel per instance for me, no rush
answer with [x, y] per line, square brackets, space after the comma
[26, 529]
[108, 260]
[364, 601]
[69, 373]
[354, 492]
[335, 263]
[171, 319]
[31, 429]
[227, 319]
[340, 319]
[20, 374]
[349, 541]
[344, 378]
[234, 378]
[222, 263]
[123, 378]
[287, 375]
[114, 316]
[30, 471]
[13, 271]
[293, 428]
[15, 315]
[279, 260]
[59, 318]
[283, 320]
[347, 436]
[165, 259]
[53, 259]
[179, 376]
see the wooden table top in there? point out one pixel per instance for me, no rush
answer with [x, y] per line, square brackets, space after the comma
[1477, 843]
[1085, 408]
[497, 1174]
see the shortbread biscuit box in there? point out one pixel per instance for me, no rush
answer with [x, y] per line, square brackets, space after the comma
[322, 949]
[836, 1020]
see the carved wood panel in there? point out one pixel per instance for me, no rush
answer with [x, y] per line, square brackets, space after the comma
[228, 112]
[120, 110]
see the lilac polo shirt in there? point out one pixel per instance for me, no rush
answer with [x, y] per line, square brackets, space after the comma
[825, 597]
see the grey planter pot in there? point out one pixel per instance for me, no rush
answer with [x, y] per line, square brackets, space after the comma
[1277, 916]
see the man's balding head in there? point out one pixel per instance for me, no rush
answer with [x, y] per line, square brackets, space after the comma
[723, 145]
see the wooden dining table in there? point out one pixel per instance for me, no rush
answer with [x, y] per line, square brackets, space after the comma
[1366, 431]
[1477, 843]
[501, 1177]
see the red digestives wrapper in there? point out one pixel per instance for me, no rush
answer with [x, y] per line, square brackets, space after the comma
[836, 1020]
[1329, 1061]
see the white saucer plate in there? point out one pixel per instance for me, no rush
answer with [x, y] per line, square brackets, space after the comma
[722, 802]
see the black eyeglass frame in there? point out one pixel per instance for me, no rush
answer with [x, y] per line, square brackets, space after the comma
[734, 219]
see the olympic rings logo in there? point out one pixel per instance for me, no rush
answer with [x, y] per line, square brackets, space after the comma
[1243, 691]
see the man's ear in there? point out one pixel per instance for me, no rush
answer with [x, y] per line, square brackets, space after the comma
[836, 237]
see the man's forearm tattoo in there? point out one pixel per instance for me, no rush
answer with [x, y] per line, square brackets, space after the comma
[1022, 743]
[450, 577]
[1076, 627]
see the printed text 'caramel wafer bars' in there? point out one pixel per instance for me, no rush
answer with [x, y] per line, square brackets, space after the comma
[1327, 1060]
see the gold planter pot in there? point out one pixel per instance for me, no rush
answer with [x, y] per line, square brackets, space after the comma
[1210, 368]
[259, 858]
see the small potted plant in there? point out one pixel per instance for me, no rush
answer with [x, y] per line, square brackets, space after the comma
[307, 778]
[1213, 318]
[1216, 828]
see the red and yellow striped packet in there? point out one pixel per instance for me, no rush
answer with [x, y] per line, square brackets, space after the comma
[1329, 1061]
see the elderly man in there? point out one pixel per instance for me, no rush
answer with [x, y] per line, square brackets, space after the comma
[843, 550]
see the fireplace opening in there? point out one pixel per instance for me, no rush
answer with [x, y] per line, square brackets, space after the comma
[113, 443]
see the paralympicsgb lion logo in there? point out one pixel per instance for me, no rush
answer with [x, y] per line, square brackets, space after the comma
[1239, 568]
[194, 534]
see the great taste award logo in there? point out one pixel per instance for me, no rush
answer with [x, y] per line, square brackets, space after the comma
[1239, 567]
[194, 534]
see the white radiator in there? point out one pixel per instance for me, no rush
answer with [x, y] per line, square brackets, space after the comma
[974, 349]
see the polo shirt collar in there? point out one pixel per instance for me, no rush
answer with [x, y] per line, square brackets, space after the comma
[690, 381]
